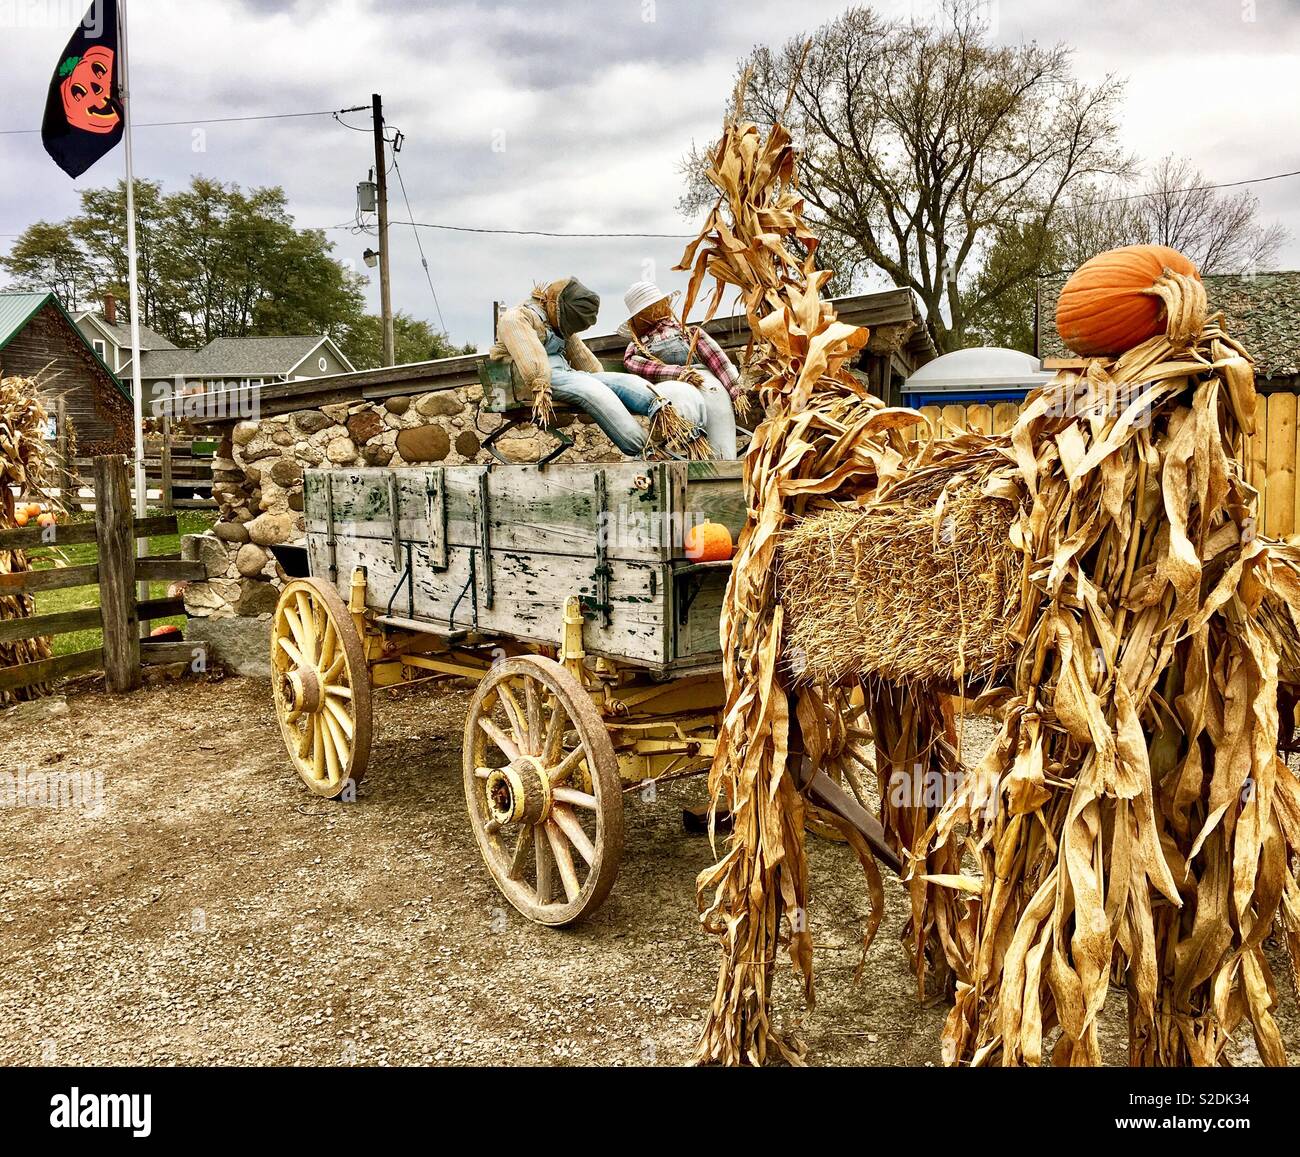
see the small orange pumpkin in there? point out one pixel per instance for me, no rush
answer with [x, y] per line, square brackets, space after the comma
[708, 542]
[1105, 307]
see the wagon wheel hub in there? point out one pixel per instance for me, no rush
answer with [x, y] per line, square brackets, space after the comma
[301, 689]
[519, 793]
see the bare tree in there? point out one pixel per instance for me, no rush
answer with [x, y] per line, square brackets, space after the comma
[920, 141]
[1178, 207]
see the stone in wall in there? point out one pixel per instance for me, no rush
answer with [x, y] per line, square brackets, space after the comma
[423, 444]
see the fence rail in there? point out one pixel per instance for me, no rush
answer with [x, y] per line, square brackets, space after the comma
[116, 573]
[1272, 451]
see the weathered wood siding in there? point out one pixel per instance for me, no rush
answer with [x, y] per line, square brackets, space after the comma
[1271, 459]
[500, 548]
[100, 414]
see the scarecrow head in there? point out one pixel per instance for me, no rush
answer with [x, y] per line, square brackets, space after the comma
[570, 306]
[87, 90]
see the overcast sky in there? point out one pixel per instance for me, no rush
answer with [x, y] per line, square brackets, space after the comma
[571, 115]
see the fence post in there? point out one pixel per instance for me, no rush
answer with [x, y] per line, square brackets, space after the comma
[61, 448]
[114, 527]
[165, 460]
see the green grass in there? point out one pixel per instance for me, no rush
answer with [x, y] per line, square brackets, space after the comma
[77, 598]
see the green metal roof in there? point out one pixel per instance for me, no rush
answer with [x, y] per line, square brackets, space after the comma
[16, 310]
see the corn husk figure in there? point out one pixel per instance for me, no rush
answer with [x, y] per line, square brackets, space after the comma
[23, 461]
[1133, 822]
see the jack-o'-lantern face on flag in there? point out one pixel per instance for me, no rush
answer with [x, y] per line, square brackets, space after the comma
[84, 115]
[88, 91]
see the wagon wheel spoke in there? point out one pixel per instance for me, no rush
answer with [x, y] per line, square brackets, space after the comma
[533, 717]
[500, 738]
[295, 627]
[562, 770]
[554, 732]
[563, 860]
[523, 849]
[515, 716]
[291, 650]
[575, 798]
[568, 823]
[545, 869]
[308, 620]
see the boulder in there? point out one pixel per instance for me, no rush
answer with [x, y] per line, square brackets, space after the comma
[256, 597]
[270, 529]
[377, 454]
[467, 444]
[243, 433]
[423, 444]
[295, 500]
[337, 413]
[441, 404]
[250, 560]
[365, 425]
[281, 437]
[261, 452]
[286, 472]
[341, 451]
[241, 645]
[207, 549]
[306, 452]
[216, 595]
[231, 532]
[310, 421]
[397, 406]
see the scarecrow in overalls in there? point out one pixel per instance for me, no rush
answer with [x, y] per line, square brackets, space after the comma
[540, 336]
[664, 351]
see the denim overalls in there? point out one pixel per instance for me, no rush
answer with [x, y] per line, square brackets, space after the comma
[612, 398]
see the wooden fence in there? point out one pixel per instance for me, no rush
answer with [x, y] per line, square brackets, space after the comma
[1274, 449]
[116, 573]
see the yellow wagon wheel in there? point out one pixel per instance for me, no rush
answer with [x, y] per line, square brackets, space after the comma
[543, 789]
[852, 768]
[321, 686]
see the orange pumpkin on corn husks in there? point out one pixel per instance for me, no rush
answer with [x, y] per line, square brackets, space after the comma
[1109, 305]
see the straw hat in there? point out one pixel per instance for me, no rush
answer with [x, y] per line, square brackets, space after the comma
[641, 295]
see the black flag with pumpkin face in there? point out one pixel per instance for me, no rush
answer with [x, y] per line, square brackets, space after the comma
[83, 112]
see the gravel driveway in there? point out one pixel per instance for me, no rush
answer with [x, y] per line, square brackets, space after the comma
[209, 911]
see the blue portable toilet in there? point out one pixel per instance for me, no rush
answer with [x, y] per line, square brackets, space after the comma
[982, 374]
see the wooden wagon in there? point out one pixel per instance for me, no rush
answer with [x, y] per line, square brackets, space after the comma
[566, 593]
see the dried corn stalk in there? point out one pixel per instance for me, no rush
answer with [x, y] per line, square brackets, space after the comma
[823, 433]
[1133, 819]
[23, 460]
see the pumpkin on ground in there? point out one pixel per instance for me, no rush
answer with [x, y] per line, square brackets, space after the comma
[708, 542]
[1108, 305]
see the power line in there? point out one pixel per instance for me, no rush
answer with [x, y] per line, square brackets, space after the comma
[533, 232]
[276, 116]
[418, 243]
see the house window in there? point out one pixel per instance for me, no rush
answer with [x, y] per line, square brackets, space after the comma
[324, 365]
[100, 348]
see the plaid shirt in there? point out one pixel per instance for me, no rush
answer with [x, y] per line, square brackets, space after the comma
[708, 351]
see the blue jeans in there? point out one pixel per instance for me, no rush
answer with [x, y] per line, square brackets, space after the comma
[612, 398]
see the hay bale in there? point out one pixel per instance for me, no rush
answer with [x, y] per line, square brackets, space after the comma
[915, 590]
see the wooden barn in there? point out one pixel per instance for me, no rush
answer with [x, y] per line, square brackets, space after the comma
[39, 339]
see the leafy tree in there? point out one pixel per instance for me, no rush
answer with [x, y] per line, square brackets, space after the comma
[47, 256]
[415, 340]
[215, 261]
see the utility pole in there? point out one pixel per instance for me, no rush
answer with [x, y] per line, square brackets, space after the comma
[381, 181]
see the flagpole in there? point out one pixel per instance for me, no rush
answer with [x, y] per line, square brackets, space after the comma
[133, 273]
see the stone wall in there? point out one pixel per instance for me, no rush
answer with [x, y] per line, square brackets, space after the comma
[257, 482]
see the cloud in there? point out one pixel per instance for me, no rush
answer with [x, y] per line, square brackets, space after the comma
[573, 115]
